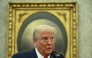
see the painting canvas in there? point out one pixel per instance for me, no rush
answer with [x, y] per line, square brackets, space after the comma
[25, 17]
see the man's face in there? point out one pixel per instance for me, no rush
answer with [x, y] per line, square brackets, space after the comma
[45, 42]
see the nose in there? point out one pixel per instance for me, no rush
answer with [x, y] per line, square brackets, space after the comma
[49, 42]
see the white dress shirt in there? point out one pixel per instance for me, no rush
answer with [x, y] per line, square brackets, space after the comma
[39, 55]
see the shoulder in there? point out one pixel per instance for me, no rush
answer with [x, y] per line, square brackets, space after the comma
[21, 54]
[26, 54]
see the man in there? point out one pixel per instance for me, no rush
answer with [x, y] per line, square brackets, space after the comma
[43, 38]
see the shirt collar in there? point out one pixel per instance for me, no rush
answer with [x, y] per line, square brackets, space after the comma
[39, 55]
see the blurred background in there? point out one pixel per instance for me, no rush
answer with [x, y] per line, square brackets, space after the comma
[84, 25]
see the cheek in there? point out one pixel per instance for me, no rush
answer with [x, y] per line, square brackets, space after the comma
[53, 45]
[41, 45]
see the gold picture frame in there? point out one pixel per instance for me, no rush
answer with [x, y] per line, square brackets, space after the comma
[63, 14]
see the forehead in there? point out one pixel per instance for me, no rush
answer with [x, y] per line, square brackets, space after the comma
[46, 33]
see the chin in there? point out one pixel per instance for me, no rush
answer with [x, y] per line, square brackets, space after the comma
[48, 52]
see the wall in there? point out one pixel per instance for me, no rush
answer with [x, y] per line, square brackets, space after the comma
[84, 25]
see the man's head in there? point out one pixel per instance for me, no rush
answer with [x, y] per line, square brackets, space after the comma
[44, 38]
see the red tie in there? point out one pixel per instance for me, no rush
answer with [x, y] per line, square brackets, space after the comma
[45, 56]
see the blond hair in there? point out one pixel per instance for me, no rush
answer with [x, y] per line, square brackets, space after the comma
[43, 28]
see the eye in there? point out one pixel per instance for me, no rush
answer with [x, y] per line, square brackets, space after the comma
[52, 38]
[44, 38]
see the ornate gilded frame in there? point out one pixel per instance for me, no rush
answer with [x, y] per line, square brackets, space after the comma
[70, 20]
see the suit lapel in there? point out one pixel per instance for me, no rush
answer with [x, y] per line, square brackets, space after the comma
[33, 54]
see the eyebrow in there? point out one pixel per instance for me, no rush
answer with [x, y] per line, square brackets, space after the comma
[44, 37]
[47, 37]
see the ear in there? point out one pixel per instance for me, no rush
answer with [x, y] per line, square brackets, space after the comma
[35, 42]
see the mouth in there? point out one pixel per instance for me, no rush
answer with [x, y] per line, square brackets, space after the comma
[49, 49]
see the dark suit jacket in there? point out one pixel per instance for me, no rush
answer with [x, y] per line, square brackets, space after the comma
[28, 54]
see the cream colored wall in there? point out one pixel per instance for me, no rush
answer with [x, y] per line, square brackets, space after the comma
[84, 25]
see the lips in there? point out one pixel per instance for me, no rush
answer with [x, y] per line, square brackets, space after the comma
[49, 49]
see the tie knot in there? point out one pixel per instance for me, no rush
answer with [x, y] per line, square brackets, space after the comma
[45, 56]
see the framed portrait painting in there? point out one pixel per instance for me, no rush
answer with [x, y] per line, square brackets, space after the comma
[25, 17]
